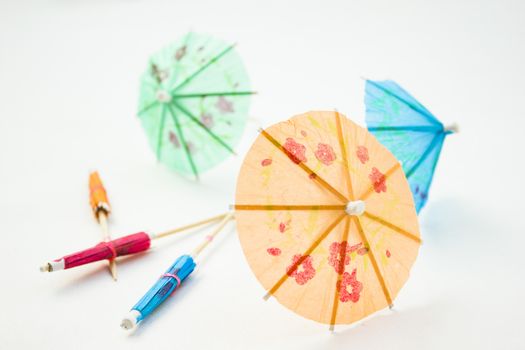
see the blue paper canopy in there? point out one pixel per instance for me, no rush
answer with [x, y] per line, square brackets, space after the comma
[162, 289]
[408, 130]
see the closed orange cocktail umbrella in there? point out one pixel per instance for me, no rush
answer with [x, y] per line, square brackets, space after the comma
[326, 218]
[98, 200]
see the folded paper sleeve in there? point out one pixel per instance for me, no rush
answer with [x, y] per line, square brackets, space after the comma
[164, 287]
[126, 245]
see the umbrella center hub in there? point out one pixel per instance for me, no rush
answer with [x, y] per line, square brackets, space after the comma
[355, 208]
[163, 96]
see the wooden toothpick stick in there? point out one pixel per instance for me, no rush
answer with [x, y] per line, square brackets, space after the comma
[212, 235]
[103, 221]
[101, 209]
[187, 227]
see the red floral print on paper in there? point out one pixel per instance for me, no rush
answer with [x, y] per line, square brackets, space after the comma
[325, 153]
[388, 255]
[349, 280]
[159, 74]
[224, 105]
[207, 120]
[174, 139]
[295, 151]
[274, 251]
[307, 270]
[335, 257]
[362, 251]
[266, 162]
[362, 154]
[181, 52]
[191, 147]
[378, 180]
[283, 226]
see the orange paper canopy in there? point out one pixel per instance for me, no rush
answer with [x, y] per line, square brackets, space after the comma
[98, 198]
[325, 217]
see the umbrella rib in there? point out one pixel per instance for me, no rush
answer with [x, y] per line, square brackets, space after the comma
[186, 39]
[387, 175]
[208, 94]
[424, 155]
[288, 207]
[374, 263]
[161, 131]
[203, 127]
[404, 128]
[410, 105]
[342, 255]
[303, 166]
[152, 104]
[310, 249]
[346, 167]
[435, 164]
[198, 71]
[392, 226]
[183, 142]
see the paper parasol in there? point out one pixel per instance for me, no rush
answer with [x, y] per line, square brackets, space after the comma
[126, 245]
[169, 281]
[194, 100]
[326, 218]
[413, 134]
[101, 209]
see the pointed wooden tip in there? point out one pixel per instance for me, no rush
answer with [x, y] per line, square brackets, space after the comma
[332, 328]
[452, 128]
[267, 296]
[113, 269]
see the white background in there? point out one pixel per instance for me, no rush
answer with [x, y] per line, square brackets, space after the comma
[69, 74]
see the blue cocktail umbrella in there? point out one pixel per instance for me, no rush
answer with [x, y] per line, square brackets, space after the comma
[413, 134]
[168, 282]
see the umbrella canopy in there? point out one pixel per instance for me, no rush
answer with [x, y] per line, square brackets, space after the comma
[98, 199]
[408, 130]
[327, 222]
[194, 99]
[131, 244]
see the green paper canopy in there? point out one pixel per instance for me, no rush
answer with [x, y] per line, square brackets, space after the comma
[194, 100]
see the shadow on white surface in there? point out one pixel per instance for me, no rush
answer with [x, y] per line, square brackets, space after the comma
[377, 331]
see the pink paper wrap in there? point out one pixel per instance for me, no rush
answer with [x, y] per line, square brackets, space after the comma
[126, 245]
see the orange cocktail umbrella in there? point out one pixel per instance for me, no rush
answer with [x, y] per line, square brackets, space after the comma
[98, 201]
[326, 218]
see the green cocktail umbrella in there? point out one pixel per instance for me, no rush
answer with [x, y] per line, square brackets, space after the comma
[194, 100]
